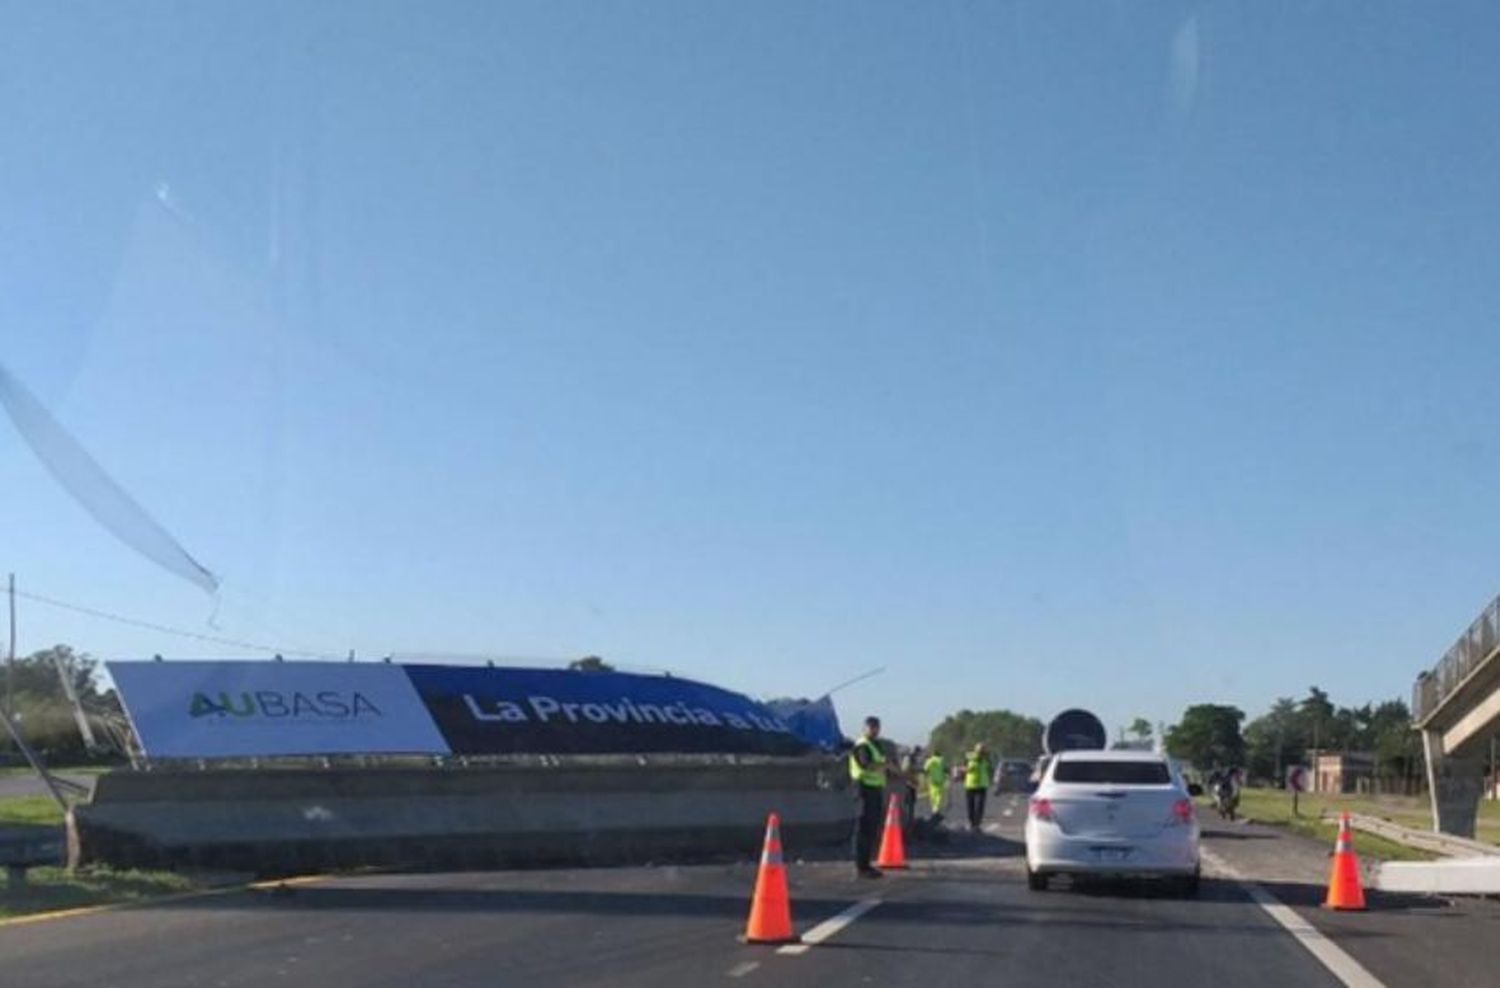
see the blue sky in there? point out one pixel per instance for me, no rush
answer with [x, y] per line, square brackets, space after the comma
[1112, 355]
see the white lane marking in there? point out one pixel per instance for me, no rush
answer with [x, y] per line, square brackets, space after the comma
[740, 970]
[830, 927]
[1348, 970]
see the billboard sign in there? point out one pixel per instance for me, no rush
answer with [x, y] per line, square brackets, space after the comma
[484, 711]
[231, 709]
[236, 709]
[814, 721]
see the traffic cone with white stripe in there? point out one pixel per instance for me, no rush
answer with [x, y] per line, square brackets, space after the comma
[892, 844]
[771, 906]
[1344, 889]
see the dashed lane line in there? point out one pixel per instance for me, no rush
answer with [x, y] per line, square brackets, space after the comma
[830, 927]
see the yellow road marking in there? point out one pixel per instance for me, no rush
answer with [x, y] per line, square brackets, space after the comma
[78, 911]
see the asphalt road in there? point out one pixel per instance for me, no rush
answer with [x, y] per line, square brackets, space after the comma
[27, 784]
[963, 916]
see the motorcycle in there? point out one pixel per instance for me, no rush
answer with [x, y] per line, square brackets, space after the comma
[1226, 799]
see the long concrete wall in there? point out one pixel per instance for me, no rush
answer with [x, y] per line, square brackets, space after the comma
[283, 821]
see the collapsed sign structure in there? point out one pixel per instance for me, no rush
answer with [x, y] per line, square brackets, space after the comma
[245, 708]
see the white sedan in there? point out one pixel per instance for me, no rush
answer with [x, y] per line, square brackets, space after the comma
[1111, 813]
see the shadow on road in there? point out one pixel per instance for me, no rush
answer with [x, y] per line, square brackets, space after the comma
[908, 948]
[1127, 887]
[1235, 835]
[1091, 905]
[1302, 894]
[948, 844]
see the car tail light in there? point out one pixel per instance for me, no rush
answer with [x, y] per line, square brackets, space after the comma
[1041, 808]
[1182, 811]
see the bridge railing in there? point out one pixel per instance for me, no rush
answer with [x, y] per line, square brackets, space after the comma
[1473, 647]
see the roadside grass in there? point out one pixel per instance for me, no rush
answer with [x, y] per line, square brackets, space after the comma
[30, 809]
[50, 889]
[1274, 806]
[13, 770]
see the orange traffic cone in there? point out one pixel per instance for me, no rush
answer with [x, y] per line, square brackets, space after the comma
[1344, 890]
[892, 844]
[771, 907]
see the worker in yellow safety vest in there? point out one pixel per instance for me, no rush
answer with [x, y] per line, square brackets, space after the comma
[868, 771]
[979, 772]
[936, 772]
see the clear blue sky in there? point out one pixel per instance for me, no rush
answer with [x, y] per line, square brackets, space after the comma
[1118, 355]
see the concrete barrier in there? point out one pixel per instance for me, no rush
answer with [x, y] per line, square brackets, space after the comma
[281, 821]
[1454, 876]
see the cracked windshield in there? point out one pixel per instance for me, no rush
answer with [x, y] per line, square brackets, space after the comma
[788, 493]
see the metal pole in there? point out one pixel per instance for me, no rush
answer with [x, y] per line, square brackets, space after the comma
[65, 674]
[857, 679]
[10, 664]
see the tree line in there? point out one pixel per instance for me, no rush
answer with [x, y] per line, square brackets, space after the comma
[32, 692]
[1210, 735]
[1004, 733]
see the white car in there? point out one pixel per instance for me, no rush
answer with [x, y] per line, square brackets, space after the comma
[1111, 813]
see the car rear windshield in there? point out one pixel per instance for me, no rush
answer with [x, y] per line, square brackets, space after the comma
[1118, 773]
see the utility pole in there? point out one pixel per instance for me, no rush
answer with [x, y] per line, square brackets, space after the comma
[10, 664]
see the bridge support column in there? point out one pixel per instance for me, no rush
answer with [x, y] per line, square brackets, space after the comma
[1455, 784]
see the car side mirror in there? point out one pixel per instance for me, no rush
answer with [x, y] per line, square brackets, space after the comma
[1194, 789]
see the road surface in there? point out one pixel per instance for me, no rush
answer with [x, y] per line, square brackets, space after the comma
[28, 784]
[962, 916]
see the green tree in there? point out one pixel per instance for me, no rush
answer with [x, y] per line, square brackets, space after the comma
[41, 707]
[590, 663]
[1140, 729]
[1208, 735]
[1275, 740]
[1396, 746]
[1005, 733]
[1316, 712]
[36, 676]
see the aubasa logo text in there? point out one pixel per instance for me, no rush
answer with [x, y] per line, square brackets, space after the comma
[325, 705]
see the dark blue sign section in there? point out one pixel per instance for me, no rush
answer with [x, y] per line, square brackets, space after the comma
[488, 711]
[815, 721]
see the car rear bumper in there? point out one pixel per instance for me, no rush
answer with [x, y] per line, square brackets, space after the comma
[1049, 851]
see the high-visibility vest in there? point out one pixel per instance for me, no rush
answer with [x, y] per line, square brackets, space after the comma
[875, 774]
[977, 772]
[937, 772]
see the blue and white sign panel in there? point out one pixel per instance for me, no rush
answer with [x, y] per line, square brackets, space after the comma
[230, 709]
[237, 709]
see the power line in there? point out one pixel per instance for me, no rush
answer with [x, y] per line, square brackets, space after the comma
[168, 630]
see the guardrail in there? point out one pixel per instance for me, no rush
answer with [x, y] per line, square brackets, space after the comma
[1423, 840]
[1473, 648]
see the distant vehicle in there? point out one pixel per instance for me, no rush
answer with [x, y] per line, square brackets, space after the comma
[1013, 775]
[1112, 813]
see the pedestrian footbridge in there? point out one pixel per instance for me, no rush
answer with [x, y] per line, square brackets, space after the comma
[1456, 706]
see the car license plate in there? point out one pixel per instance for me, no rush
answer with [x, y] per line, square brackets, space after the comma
[1111, 855]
